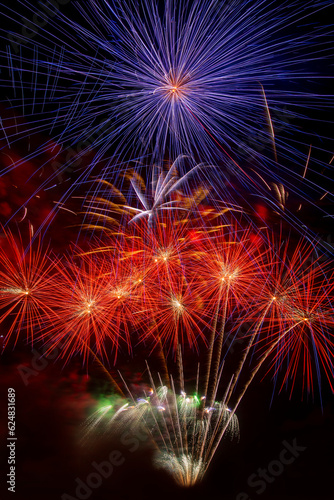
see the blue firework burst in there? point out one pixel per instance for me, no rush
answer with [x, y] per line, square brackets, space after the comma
[150, 81]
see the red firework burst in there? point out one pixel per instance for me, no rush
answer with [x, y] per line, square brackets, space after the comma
[297, 315]
[26, 279]
[177, 314]
[228, 266]
[83, 317]
[306, 346]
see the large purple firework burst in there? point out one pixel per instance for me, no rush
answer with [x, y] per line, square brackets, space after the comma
[148, 81]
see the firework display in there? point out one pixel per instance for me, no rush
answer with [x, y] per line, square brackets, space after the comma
[189, 249]
[176, 285]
